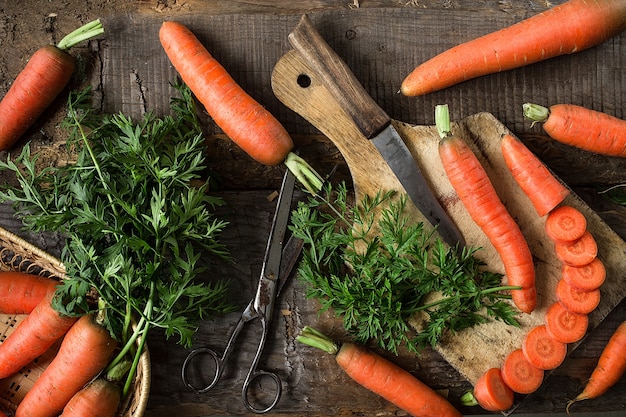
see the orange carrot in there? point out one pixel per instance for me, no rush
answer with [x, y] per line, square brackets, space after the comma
[100, 398]
[241, 117]
[610, 368]
[33, 336]
[564, 29]
[525, 298]
[519, 374]
[543, 189]
[474, 188]
[565, 325]
[581, 302]
[491, 392]
[580, 252]
[587, 277]
[382, 377]
[565, 224]
[84, 352]
[581, 127]
[43, 78]
[541, 350]
[21, 292]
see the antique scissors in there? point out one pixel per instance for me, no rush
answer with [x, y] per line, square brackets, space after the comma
[278, 262]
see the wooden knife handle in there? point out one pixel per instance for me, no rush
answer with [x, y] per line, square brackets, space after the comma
[338, 79]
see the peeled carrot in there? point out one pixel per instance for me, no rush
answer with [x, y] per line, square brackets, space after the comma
[542, 350]
[610, 368]
[565, 224]
[46, 74]
[492, 393]
[581, 302]
[580, 252]
[565, 325]
[476, 192]
[382, 377]
[581, 127]
[33, 336]
[587, 277]
[100, 398]
[564, 29]
[519, 374]
[84, 352]
[543, 189]
[21, 292]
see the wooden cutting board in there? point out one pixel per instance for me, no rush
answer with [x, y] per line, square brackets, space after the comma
[475, 350]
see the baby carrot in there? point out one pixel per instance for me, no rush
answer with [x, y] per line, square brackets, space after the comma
[519, 374]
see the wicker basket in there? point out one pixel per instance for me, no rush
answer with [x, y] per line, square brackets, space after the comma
[17, 254]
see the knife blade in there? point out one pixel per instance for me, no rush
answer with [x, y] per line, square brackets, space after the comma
[374, 123]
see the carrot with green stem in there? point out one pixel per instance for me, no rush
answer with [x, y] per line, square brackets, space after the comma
[382, 377]
[581, 127]
[46, 74]
[476, 192]
[241, 117]
[21, 292]
[564, 29]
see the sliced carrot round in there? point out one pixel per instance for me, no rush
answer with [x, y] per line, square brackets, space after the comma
[525, 299]
[565, 325]
[581, 302]
[587, 277]
[491, 391]
[565, 224]
[519, 374]
[541, 350]
[578, 253]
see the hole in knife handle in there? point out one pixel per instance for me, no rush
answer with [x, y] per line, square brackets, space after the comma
[304, 80]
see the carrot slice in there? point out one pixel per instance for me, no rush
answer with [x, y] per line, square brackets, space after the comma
[519, 374]
[581, 302]
[565, 224]
[587, 277]
[578, 253]
[541, 350]
[491, 391]
[565, 325]
[525, 299]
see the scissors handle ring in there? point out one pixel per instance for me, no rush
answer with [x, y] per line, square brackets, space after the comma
[245, 397]
[187, 365]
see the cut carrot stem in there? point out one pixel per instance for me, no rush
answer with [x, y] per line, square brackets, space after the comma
[543, 189]
[565, 325]
[581, 302]
[581, 252]
[587, 277]
[519, 374]
[542, 350]
[565, 224]
[20, 292]
[490, 392]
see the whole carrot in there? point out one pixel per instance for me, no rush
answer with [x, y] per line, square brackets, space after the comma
[100, 398]
[21, 292]
[382, 377]
[84, 352]
[43, 78]
[581, 127]
[564, 29]
[476, 192]
[33, 336]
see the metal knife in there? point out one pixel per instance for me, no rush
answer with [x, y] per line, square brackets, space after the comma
[374, 124]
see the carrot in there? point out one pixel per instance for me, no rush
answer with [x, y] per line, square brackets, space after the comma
[580, 252]
[581, 127]
[565, 224]
[525, 298]
[100, 398]
[519, 374]
[474, 188]
[543, 189]
[33, 336]
[382, 377]
[43, 78]
[581, 302]
[564, 29]
[491, 392]
[541, 350]
[610, 368]
[565, 325]
[587, 277]
[84, 352]
[21, 292]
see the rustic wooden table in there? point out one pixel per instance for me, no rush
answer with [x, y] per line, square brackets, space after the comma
[381, 41]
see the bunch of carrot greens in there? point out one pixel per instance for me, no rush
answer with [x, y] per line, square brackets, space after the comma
[375, 268]
[138, 221]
